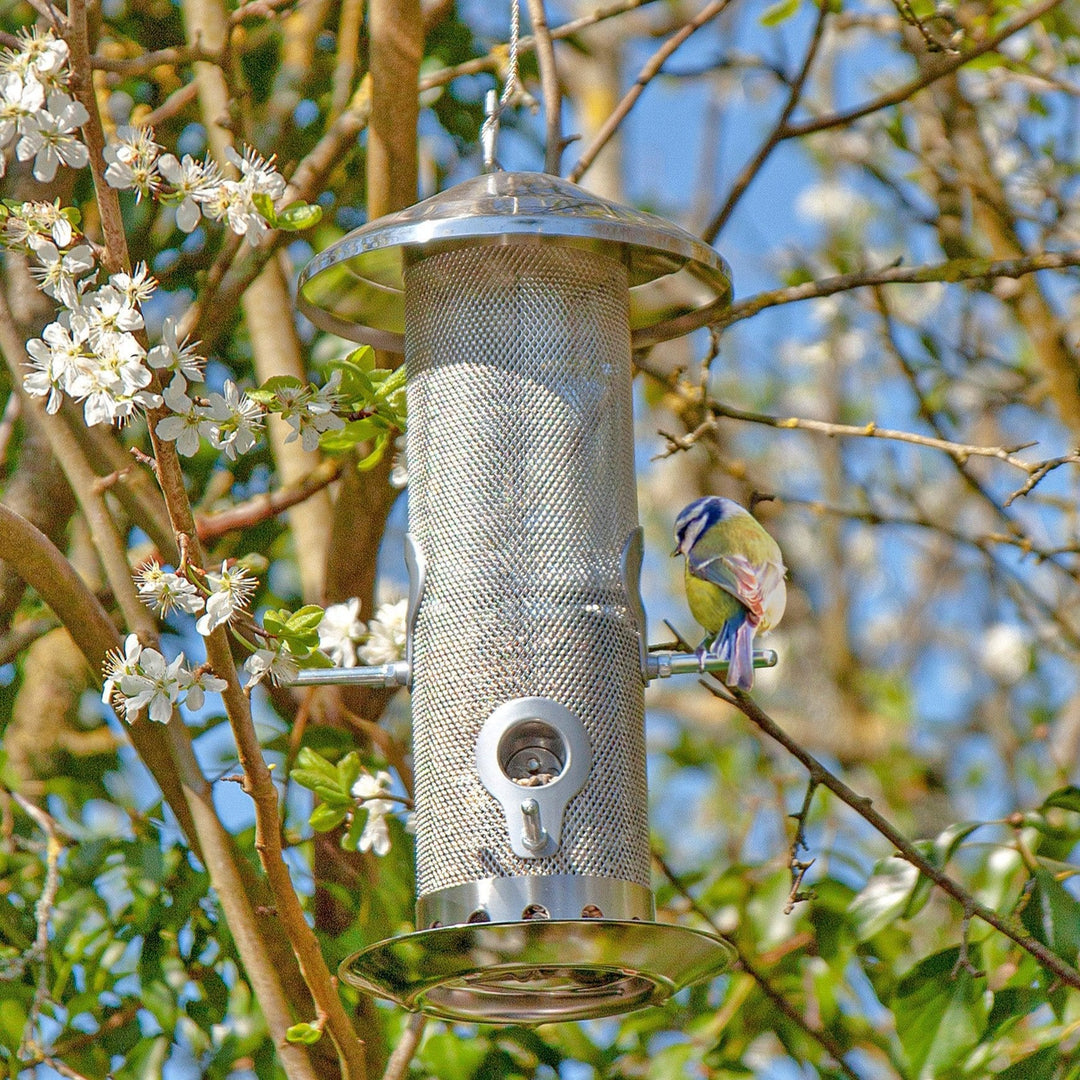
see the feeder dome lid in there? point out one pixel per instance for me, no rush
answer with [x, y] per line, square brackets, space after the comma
[355, 288]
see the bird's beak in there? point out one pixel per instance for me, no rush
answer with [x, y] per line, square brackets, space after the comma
[677, 551]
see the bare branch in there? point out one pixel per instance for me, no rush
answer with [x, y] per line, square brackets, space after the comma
[905, 848]
[645, 76]
[902, 93]
[552, 91]
[952, 271]
[775, 137]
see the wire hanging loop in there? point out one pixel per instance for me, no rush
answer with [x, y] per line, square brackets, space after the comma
[513, 94]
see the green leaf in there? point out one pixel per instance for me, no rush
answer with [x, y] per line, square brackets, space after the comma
[351, 435]
[348, 770]
[779, 12]
[306, 618]
[310, 761]
[939, 1016]
[884, 898]
[308, 1034]
[1052, 915]
[267, 393]
[1066, 798]
[265, 205]
[326, 817]
[299, 216]
[376, 454]
[314, 659]
[452, 1058]
[1042, 1065]
[72, 214]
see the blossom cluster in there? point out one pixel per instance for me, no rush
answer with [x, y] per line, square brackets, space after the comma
[197, 188]
[228, 592]
[36, 112]
[369, 791]
[141, 678]
[346, 640]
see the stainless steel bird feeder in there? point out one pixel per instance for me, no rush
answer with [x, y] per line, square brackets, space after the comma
[517, 298]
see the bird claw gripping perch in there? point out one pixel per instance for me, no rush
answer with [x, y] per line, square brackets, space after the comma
[663, 663]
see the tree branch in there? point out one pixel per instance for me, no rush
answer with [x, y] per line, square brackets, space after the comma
[953, 271]
[775, 137]
[645, 76]
[902, 93]
[552, 91]
[905, 848]
[823, 1038]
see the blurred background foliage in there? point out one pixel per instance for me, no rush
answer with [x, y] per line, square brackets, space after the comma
[929, 650]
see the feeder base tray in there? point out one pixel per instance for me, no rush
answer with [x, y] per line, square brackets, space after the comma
[537, 972]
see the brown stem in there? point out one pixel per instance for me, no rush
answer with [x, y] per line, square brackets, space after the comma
[549, 82]
[645, 76]
[757, 162]
[823, 1038]
[906, 849]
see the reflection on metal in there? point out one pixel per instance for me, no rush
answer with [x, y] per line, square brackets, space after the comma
[517, 299]
[538, 971]
[355, 288]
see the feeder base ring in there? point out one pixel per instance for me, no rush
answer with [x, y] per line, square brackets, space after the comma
[537, 972]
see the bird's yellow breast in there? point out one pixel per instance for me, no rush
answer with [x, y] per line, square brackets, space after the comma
[710, 605]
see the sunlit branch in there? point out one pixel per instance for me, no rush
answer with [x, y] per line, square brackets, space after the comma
[263, 507]
[757, 162]
[650, 70]
[552, 91]
[904, 847]
[953, 271]
[902, 93]
[823, 1038]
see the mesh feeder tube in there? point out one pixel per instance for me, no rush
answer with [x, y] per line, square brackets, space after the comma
[516, 299]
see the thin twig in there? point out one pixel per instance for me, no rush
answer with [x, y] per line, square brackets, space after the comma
[905, 848]
[799, 866]
[775, 137]
[902, 93]
[650, 70]
[823, 1038]
[552, 91]
[397, 1065]
[147, 61]
[953, 271]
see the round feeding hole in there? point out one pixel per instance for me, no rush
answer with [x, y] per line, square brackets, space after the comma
[532, 753]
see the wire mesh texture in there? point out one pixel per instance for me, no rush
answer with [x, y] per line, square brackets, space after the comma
[522, 495]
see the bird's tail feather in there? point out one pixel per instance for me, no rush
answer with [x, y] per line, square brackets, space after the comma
[735, 644]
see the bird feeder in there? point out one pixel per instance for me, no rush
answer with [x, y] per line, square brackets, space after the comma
[517, 299]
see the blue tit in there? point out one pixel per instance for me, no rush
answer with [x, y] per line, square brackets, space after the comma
[734, 581]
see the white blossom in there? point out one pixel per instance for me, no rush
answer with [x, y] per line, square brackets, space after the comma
[118, 664]
[341, 631]
[179, 357]
[309, 411]
[278, 663]
[109, 311]
[367, 791]
[19, 102]
[165, 590]
[132, 161]
[183, 427]
[29, 224]
[194, 182]
[1005, 653]
[50, 137]
[156, 686]
[233, 201]
[231, 591]
[386, 634]
[198, 684]
[231, 421]
[58, 275]
[41, 56]
[138, 286]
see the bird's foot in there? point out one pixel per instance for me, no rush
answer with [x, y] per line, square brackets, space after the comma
[701, 652]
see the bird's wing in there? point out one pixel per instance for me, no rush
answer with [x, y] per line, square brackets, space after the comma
[755, 587]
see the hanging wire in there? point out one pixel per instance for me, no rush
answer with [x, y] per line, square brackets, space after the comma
[513, 94]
